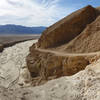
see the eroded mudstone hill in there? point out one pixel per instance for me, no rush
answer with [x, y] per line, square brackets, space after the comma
[87, 41]
[67, 28]
[49, 58]
[45, 66]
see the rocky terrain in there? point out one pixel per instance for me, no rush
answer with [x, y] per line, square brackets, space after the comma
[64, 64]
[12, 64]
[67, 28]
[66, 47]
[87, 41]
[84, 85]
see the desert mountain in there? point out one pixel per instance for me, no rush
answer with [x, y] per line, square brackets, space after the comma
[18, 29]
[87, 41]
[67, 28]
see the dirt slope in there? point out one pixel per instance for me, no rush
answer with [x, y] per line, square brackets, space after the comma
[87, 41]
[49, 58]
[67, 28]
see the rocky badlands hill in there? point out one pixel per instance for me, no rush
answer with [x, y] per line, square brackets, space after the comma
[66, 48]
[67, 28]
[57, 51]
[68, 52]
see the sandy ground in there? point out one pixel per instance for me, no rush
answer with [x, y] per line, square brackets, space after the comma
[12, 62]
[4, 39]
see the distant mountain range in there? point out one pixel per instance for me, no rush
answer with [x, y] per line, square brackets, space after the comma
[18, 29]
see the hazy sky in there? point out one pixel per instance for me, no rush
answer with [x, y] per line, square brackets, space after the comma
[39, 12]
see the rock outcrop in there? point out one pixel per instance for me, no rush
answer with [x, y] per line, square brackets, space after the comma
[84, 85]
[49, 64]
[67, 28]
[45, 66]
[87, 41]
[1, 47]
[49, 58]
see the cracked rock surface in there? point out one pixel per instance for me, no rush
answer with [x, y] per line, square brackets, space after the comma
[84, 85]
[12, 61]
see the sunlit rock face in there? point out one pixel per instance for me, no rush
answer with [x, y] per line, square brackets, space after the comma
[68, 28]
[54, 61]
[47, 64]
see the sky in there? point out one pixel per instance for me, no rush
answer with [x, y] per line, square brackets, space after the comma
[39, 12]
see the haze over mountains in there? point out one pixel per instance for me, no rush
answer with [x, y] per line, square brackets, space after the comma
[18, 29]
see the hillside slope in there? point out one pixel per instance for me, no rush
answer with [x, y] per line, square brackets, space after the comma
[49, 59]
[68, 28]
[87, 41]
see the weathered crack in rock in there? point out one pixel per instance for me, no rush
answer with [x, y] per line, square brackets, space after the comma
[12, 61]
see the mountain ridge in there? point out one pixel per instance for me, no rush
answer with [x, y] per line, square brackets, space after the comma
[19, 29]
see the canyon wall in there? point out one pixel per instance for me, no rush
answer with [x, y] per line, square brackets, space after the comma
[46, 62]
[68, 28]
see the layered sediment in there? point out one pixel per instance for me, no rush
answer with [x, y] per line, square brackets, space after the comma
[67, 28]
[88, 41]
[49, 58]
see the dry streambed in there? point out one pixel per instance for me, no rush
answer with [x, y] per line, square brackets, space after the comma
[12, 61]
